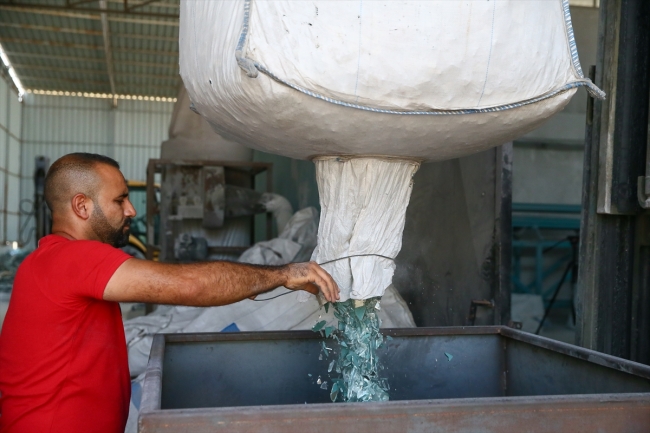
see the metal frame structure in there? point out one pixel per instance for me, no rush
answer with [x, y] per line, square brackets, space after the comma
[540, 219]
[613, 293]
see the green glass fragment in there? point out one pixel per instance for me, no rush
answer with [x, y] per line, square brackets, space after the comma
[360, 312]
[359, 339]
[327, 307]
[449, 356]
[317, 327]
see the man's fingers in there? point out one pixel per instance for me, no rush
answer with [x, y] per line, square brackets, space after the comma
[317, 279]
[311, 288]
[327, 284]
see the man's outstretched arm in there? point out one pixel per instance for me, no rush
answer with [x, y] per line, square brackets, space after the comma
[212, 283]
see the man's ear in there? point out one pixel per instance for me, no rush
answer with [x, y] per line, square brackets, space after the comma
[82, 206]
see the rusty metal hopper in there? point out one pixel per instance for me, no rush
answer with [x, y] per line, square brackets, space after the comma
[474, 379]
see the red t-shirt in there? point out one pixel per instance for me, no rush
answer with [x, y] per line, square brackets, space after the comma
[63, 358]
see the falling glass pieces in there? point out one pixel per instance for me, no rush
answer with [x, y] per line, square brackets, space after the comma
[449, 356]
[323, 385]
[331, 366]
[317, 327]
[335, 391]
[359, 338]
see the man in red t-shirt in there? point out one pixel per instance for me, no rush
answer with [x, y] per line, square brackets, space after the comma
[63, 358]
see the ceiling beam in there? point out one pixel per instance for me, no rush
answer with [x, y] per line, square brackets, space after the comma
[137, 5]
[47, 43]
[70, 3]
[29, 78]
[172, 90]
[28, 68]
[87, 32]
[154, 3]
[71, 13]
[13, 54]
[51, 29]
[121, 11]
[107, 50]
[158, 4]
[87, 47]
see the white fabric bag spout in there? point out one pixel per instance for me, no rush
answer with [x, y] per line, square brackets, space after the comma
[425, 80]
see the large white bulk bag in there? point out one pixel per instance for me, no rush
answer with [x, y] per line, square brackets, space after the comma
[191, 138]
[428, 80]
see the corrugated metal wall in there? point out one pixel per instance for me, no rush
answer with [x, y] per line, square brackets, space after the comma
[58, 125]
[10, 125]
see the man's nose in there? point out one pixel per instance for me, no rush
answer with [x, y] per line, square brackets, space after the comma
[130, 210]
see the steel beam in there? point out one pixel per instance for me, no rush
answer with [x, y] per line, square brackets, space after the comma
[121, 11]
[106, 34]
[14, 54]
[28, 68]
[86, 47]
[75, 13]
[613, 296]
[87, 32]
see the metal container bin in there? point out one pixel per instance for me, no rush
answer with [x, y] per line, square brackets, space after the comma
[473, 379]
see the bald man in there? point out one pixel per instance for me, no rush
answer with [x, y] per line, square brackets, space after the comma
[63, 358]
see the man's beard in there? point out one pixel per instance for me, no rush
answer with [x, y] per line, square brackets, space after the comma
[106, 232]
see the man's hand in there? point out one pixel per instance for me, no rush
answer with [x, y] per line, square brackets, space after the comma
[311, 277]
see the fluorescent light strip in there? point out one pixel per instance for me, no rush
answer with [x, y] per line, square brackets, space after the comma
[101, 95]
[12, 73]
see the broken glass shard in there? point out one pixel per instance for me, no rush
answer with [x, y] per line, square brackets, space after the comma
[317, 327]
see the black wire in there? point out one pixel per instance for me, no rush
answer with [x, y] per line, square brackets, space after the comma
[325, 263]
[273, 297]
[357, 255]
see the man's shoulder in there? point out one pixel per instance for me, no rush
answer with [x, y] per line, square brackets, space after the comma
[56, 242]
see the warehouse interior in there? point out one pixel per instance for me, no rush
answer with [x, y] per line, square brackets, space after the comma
[547, 233]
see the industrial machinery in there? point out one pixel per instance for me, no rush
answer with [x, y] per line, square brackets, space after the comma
[206, 208]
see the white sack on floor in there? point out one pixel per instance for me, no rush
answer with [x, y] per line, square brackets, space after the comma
[282, 313]
[433, 79]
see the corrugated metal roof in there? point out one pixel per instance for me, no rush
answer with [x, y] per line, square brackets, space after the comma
[59, 45]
